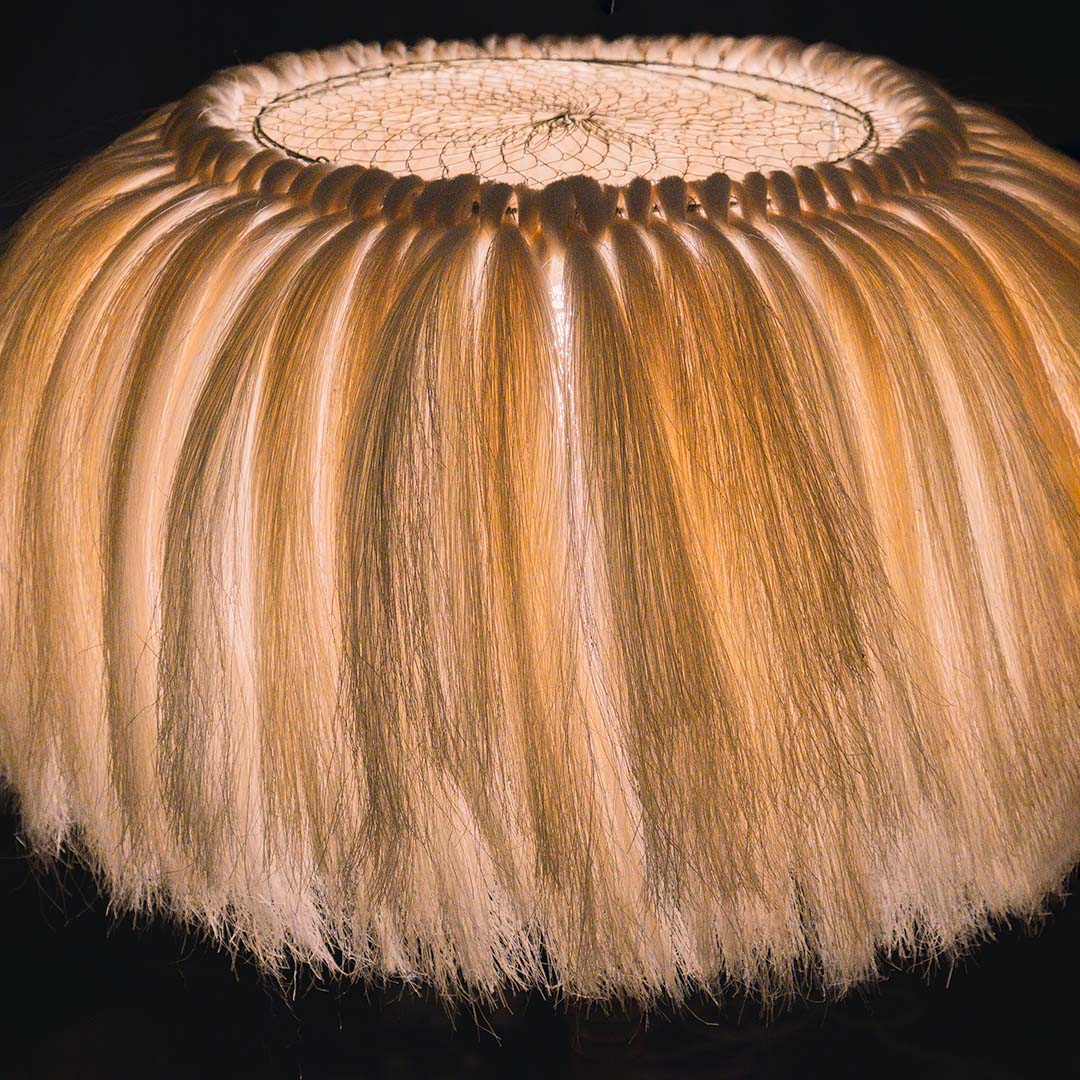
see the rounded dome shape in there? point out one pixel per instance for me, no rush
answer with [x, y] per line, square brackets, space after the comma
[594, 515]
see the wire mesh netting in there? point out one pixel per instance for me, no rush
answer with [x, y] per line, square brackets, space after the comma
[535, 120]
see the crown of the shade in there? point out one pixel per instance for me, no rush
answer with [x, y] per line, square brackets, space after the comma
[710, 122]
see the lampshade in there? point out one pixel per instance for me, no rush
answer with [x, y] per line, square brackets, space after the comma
[594, 516]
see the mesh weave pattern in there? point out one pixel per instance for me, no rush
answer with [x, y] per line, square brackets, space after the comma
[536, 120]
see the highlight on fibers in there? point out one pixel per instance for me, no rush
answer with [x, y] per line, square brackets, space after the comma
[598, 516]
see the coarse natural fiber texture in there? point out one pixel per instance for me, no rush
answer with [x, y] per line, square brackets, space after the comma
[599, 516]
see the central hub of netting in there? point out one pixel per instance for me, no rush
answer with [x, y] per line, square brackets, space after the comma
[535, 120]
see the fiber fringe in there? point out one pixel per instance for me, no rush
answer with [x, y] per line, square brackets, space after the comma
[621, 591]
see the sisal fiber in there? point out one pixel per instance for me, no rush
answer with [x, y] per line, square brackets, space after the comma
[597, 516]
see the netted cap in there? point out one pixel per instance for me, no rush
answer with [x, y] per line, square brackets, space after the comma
[705, 111]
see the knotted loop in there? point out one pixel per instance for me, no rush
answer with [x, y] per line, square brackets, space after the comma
[714, 194]
[251, 176]
[497, 205]
[448, 202]
[595, 204]
[783, 194]
[308, 179]
[753, 197]
[368, 193]
[672, 196]
[401, 195]
[558, 210]
[639, 200]
[279, 177]
[837, 185]
[812, 196]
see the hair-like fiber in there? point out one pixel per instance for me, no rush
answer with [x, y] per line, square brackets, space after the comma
[614, 589]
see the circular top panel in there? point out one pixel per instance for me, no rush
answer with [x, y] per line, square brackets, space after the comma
[535, 120]
[532, 113]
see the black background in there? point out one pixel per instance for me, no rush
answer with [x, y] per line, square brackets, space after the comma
[89, 994]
